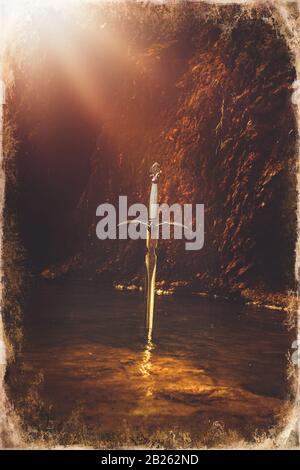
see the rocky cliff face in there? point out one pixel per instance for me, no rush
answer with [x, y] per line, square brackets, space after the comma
[205, 92]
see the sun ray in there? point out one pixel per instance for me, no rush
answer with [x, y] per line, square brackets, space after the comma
[61, 27]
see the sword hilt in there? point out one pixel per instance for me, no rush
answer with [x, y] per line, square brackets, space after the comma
[155, 172]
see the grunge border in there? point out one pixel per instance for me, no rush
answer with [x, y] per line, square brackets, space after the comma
[287, 16]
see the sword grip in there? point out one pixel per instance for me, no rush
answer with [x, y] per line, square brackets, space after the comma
[153, 202]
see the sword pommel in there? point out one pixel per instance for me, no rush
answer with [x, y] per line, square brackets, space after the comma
[155, 172]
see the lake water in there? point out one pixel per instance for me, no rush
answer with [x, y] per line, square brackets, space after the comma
[211, 365]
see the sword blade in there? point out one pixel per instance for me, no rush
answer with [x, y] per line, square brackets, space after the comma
[151, 244]
[151, 261]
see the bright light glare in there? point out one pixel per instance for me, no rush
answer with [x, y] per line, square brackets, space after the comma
[15, 13]
[18, 7]
[32, 26]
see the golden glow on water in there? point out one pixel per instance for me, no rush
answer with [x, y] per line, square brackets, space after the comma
[117, 383]
[93, 363]
[146, 361]
[146, 368]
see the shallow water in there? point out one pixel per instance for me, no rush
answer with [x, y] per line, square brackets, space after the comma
[210, 361]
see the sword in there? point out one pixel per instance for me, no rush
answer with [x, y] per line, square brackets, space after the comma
[151, 245]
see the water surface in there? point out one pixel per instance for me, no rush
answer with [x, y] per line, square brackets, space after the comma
[210, 361]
